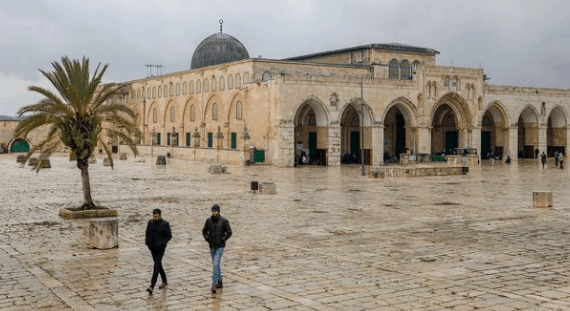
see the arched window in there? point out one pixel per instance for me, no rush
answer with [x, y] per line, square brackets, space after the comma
[154, 115]
[246, 77]
[198, 86]
[222, 83]
[394, 69]
[206, 86]
[405, 72]
[238, 81]
[172, 114]
[191, 87]
[214, 82]
[230, 82]
[239, 111]
[266, 76]
[148, 93]
[172, 90]
[215, 112]
[177, 89]
[165, 90]
[159, 91]
[184, 88]
[139, 93]
[154, 92]
[192, 115]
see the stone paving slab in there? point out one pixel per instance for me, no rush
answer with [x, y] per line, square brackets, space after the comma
[330, 239]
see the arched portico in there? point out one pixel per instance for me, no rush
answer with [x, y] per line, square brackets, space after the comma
[556, 133]
[311, 132]
[527, 140]
[356, 134]
[450, 122]
[399, 135]
[494, 130]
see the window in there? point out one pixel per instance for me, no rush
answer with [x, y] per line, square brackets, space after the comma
[215, 112]
[198, 86]
[148, 93]
[405, 70]
[234, 140]
[394, 69]
[266, 76]
[230, 82]
[214, 84]
[192, 116]
[154, 92]
[177, 89]
[139, 93]
[159, 91]
[184, 88]
[188, 139]
[246, 77]
[191, 87]
[154, 116]
[238, 81]
[210, 140]
[239, 112]
[172, 90]
[168, 139]
[222, 83]
[172, 114]
[206, 86]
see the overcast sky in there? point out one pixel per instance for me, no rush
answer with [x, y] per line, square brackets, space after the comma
[523, 43]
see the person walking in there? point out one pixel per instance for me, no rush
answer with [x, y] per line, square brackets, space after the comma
[157, 236]
[561, 160]
[543, 159]
[216, 232]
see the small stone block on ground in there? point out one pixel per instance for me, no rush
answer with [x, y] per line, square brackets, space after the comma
[46, 163]
[217, 169]
[106, 162]
[92, 159]
[161, 160]
[104, 233]
[123, 156]
[267, 187]
[21, 158]
[33, 161]
[542, 199]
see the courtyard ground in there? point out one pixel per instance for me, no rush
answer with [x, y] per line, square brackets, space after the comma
[330, 239]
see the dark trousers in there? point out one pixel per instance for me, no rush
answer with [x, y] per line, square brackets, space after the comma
[157, 255]
[561, 165]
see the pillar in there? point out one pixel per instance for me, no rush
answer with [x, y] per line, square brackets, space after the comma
[476, 138]
[424, 139]
[377, 144]
[333, 157]
[512, 147]
[542, 138]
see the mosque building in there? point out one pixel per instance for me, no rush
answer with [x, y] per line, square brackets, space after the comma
[376, 102]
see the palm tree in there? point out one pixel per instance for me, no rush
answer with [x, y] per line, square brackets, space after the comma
[77, 116]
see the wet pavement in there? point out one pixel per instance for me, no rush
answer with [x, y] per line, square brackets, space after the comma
[330, 239]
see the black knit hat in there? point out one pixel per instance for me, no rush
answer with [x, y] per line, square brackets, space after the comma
[216, 207]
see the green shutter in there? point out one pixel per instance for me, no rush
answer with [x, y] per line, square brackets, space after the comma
[158, 139]
[234, 140]
[168, 139]
[187, 139]
[210, 140]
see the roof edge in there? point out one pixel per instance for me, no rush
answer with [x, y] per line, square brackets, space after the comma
[377, 46]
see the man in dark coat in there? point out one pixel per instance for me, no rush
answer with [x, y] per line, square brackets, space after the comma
[157, 236]
[216, 231]
[543, 159]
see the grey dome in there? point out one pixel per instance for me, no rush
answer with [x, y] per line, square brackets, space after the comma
[216, 49]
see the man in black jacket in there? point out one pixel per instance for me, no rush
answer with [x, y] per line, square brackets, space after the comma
[216, 231]
[157, 236]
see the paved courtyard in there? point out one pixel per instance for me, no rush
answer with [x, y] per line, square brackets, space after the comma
[330, 239]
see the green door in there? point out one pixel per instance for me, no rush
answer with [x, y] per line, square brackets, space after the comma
[312, 144]
[354, 142]
[234, 140]
[158, 139]
[210, 140]
[451, 140]
[187, 139]
[485, 143]
[168, 139]
[259, 156]
[19, 145]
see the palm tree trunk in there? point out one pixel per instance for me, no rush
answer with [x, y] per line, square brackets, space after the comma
[87, 200]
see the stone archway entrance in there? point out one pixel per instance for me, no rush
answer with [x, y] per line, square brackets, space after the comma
[311, 134]
[556, 132]
[527, 133]
[493, 136]
[444, 132]
[395, 142]
[19, 145]
[350, 143]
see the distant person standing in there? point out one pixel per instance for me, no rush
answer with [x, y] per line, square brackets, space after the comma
[556, 154]
[216, 231]
[561, 160]
[536, 153]
[157, 236]
[543, 159]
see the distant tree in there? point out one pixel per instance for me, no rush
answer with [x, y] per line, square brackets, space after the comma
[77, 116]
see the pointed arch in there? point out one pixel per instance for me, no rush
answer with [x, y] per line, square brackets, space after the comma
[411, 114]
[149, 116]
[499, 112]
[321, 112]
[529, 114]
[459, 106]
[558, 119]
[368, 115]
[168, 112]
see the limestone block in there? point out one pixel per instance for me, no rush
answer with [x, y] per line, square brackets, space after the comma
[123, 156]
[46, 163]
[106, 162]
[217, 169]
[374, 173]
[267, 187]
[542, 199]
[21, 158]
[104, 233]
[33, 161]
[161, 160]
[92, 159]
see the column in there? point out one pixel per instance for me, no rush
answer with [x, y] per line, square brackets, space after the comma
[333, 156]
[476, 139]
[377, 144]
[542, 138]
[286, 145]
[513, 137]
[424, 139]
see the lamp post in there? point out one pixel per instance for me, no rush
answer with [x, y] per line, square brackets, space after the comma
[220, 138]
[361, 100]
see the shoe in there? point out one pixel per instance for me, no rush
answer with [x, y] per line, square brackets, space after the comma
[163, 285]
[149, 290]
[213, 289]
[220, 285]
